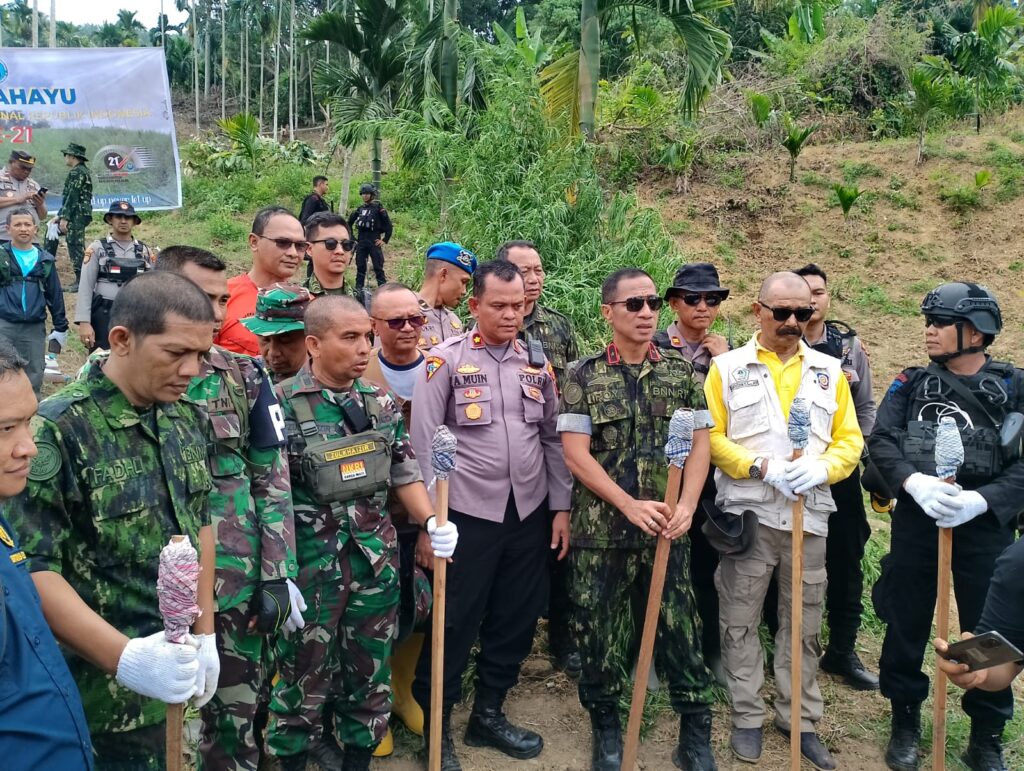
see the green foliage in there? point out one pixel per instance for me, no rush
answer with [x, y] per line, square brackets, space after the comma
[961, 198]
[854, 170]
[240, 148]
[535, 52]
[761, 108]
[847, 195]
[1009, 172]
[982, 178]
[793, 140]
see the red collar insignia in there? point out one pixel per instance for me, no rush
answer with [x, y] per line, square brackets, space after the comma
[476, 341]
[611, 355]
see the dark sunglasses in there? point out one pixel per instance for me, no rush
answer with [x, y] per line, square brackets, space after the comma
[636, 304]
[347, 244]
[939, 322]
[284, 244]
[399, 324]
[781, 314]
[712, 300]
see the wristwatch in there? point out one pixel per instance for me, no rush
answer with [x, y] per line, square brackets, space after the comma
[755, 468]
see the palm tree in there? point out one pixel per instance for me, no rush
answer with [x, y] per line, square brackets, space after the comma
[130, 26]
[985, 56]
[110, 35]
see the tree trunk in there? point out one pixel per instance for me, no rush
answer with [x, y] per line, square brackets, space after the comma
[277, 65]
[223, 59]
[206, 60]
[163, 33]
[243, 59]
[292, 90]
[346, 182]
[35, 23]
[590, 64]
[792, 168]
[312, 96]
[259, 80]
[53, 23]
[920, 141]
[195, 61]
[377, 146]
[450, 54]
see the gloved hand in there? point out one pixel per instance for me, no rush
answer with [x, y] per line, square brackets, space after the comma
[61, 338]
[775, 475]
[443, 538]
[270, 606]
[298, 605]
[806, 472]
[159, 669]
[209, 669]
[934, 496]
[970, 504]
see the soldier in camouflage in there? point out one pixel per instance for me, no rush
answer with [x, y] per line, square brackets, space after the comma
[330, 252]
[616, 407]
[279, 328]
[76, 209]
[121, 467]
[347, 446]
[251, 512]
[446, 277]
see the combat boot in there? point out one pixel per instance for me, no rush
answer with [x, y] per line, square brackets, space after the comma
[901, 754]
[985, 750]
[488, 727]
[606, 739]
[356, 758]
[293, 762]
[449, 760]
[327, 754]
[693, 753]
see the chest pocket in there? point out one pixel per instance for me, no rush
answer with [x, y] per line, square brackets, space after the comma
[822, 408]
[473, 405]
[533, 403]
[748, 412]
[225, 459]
[610, 419]
[129, 527]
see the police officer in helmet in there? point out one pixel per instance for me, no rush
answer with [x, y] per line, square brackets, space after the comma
[372, 226]
[985, 397]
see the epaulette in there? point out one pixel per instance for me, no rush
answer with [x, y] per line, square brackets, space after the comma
[553, 312]
[54, 406]
[449, 342]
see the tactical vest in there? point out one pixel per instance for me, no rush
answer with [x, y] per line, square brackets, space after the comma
[121, 270]
[232, 405]
[10, 271]
[366, 219]
[838, 341]
[346, 467]
[997, 395]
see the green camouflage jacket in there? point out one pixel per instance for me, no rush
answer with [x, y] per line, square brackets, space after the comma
[626, 411]
[77, 205]
[312, 283]
[250, 504]
[110, 486]
[321, 531]
[555, 333]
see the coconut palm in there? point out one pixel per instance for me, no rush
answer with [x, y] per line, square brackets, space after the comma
[985, 55]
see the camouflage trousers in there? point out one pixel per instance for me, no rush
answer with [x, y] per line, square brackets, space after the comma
[141, 749]
[75, 239]
[351, 622]
[228, 740]
[608, 588]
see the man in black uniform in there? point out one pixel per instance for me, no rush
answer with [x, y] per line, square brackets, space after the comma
[372, 226]
[961, 321]
[316, 201]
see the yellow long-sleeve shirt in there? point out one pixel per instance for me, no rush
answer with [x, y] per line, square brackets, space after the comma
[733, 459]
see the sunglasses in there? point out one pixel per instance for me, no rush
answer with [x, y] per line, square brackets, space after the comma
[399, 324]
[347, 244]
[636, 304]
[939, 322]
[712, 300]
[781, 314]
[284, 244]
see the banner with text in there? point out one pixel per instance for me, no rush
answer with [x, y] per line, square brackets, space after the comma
[115, 102]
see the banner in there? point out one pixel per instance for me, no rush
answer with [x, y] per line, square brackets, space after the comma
[116, 102]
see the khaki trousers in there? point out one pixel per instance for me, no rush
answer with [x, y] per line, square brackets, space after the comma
[742, 584]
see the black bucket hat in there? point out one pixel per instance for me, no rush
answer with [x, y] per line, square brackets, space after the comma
[731, 535]
[123, 208]
[696, 277]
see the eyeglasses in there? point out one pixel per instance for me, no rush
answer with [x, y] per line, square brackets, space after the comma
[781, 314]
[712, 300]
[399, 324]
[636, 304]
[939, 322]
[347, 244]
[284, 244]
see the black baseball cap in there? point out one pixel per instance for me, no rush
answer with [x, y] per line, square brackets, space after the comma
[696, 277]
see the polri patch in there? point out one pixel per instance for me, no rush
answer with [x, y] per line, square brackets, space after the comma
[434, 363]
[47, 462]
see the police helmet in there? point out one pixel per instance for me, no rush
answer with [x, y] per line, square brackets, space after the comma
[971, 302]
[367, 188]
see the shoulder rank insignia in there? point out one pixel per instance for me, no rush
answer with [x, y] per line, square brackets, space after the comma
[477, 340]
[5, 538]
[456, 324]
[434, 340]
[434, 363]
[467, 369]
[676, 342]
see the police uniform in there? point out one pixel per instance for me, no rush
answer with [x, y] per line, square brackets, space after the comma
[111, 484]
[370, 222]
[107, 266]
[76, 206]
[625, 410]
[42, 724]
[14, 188]
[442, 324]
[510, 474]
[346, 449]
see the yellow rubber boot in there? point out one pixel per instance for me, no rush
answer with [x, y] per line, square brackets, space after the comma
[403, 670]
[386, 746]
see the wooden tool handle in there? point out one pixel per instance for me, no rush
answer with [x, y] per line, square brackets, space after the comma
[643, 664]
[796, 642]
[437, 636]
[175, 724]
[942, 630]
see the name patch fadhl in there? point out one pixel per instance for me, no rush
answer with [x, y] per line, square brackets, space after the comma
[350, 452]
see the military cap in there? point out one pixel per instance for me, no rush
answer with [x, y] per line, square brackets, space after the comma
[732, 535]
[446, 251]
[123, 208]
[696, 277]
[280, 308]
[78, 151]
[20, 156]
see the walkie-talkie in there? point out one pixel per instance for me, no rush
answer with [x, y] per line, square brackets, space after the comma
[535, 352]
[355, 417]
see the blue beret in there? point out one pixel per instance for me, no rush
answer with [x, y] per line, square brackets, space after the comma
[453, 253]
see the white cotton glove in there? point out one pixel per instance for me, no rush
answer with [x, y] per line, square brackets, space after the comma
[159, 669]
[297, 606]
[209, 669]
[969, 504]
[60, 337]
[775, 475]
[935, 497]
[443, 538]
[52, 230]
[805, 473]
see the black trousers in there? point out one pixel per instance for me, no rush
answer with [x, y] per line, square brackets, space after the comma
[560, 641]
[496, 590]
[848, 532]
[99, 317]
[369, 249]
[703, 563]
[904, 598]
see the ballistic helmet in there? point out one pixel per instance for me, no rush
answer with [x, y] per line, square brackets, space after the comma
[366, 187]
[971, 302]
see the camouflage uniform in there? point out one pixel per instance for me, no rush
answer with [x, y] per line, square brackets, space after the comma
[312, 283]
[250, 506]
[111, 484]
[77, 210]
[348, 574]
[626, 410]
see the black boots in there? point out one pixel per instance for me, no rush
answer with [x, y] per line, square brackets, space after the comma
[985, 750]
[488, 727]
[605, 738]
[327, 754]
[901, 754]
[848, 666]
[693, 752]
[449, 760]
[356, 758]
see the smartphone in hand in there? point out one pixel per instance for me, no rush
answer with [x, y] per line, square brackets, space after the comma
[986, 650]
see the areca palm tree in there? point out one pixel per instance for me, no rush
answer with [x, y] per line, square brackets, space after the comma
[569, 84]
[985, 55]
